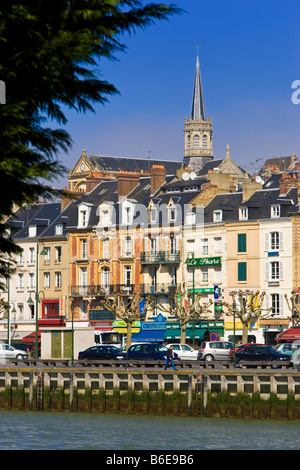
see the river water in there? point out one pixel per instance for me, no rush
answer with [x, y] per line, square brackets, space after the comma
[25, 430]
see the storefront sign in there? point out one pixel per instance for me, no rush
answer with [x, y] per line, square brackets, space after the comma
[215, 261]
[239, 325]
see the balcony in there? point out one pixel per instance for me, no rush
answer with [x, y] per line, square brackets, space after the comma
[96, 290]
[160, 257]
[158, 289]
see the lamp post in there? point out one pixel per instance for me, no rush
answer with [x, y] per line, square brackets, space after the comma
[234, 310]
[72, 313]
[37, 298]
[8, 321]
[191, 259]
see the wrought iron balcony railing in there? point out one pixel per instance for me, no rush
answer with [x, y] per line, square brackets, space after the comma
[98, 290]
[160, 257]
[158, 289]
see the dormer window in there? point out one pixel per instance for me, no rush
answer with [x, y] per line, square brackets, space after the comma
[32, 231]
[83, 214]
[172, 213]
[243, 213]
[58, 229]
[217, 216]
[275, 211]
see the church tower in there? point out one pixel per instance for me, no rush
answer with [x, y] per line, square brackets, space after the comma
[198, 130]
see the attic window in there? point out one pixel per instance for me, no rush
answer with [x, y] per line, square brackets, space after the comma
[275, 211]
[32, 231]
[217, 216]
[58, 229]
[243, 213]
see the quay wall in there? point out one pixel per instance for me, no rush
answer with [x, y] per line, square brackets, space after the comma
[211, 393]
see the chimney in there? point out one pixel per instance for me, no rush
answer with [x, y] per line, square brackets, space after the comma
[127, 181]
[158, 177]
[285, 184]
[66, 197]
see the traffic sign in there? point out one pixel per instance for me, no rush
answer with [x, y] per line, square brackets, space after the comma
[213, 336]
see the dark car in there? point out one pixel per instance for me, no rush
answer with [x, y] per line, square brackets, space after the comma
[22, 347]
[260, 353]
[148, 351]
[101, 352]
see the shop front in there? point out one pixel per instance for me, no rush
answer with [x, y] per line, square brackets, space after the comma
[152, 331]
[120, 326]
[195, 332]
[255, 334]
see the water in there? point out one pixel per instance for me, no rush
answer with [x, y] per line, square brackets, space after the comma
[25, 430]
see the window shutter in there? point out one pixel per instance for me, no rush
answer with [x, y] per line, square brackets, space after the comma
[281, 240]
[242, 242]
[281, 304]
[266, 242]
[267, 271]
[242, 271]
[281, 271]
[267, 301]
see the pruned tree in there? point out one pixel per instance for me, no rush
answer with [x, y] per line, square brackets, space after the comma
[187, 309]
[128, 310]
[248, 308]
[294, 307]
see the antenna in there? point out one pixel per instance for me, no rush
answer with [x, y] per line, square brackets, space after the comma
[149, 156]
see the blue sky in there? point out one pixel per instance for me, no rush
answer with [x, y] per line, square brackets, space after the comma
[249, 57]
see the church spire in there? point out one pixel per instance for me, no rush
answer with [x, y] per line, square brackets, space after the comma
[198, 106]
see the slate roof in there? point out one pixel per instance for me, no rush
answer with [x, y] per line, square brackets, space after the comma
[115, 164]
[40, 214]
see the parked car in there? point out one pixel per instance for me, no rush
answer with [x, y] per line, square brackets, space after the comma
[9, 352]
[22, 346]
[148, 351]
[101, 352]
[215, 350]
[284, 348]
[260, 353]
[184, 351]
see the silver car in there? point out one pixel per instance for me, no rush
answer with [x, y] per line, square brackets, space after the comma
[8, 352]
[215, 351]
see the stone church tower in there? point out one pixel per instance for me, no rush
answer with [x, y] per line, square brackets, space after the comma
[198, 130]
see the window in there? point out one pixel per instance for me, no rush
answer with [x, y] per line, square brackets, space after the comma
[127, 215]
[196, 141]
[58, 254]
[21, 311]
[47, 280]
[105, 277]
[127, 246]
[32, 231]
[218, 244]
[47, 255]
[205, 275]
[243, 213]
[153, 214]
[275, 270]
[274, 241]
[204, 242]
[84, 248]
[20, 281]
[127, 275]
[58, 229]
[31, 255]
[31, 284]
[58, 283]
[218, 275]
[205, 141]
[217, 216]
[275, 303]
[275, 211]
[242, 242]
[21, 258]
[190, 218]
[83, 277]
[242, 272]
[83, 218]
[105, 217]
[189, 141]
[105, 246]
[172, 213]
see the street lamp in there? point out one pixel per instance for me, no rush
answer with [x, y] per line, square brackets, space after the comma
[8, 320]
[191, 260]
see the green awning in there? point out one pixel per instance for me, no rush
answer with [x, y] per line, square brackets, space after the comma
[175, 333]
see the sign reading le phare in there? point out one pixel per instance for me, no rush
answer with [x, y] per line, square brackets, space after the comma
[216, 261]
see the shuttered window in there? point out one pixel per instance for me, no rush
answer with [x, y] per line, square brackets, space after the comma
[242, 271]
[242, 242]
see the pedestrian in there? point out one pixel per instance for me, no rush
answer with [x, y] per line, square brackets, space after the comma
[170, 357]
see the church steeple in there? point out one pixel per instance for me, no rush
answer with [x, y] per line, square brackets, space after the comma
[198, 129]
[198, 106]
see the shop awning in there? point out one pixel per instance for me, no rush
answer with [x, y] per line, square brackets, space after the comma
[175, 333]
[291, 334]
[31, 338]
[149, 335]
